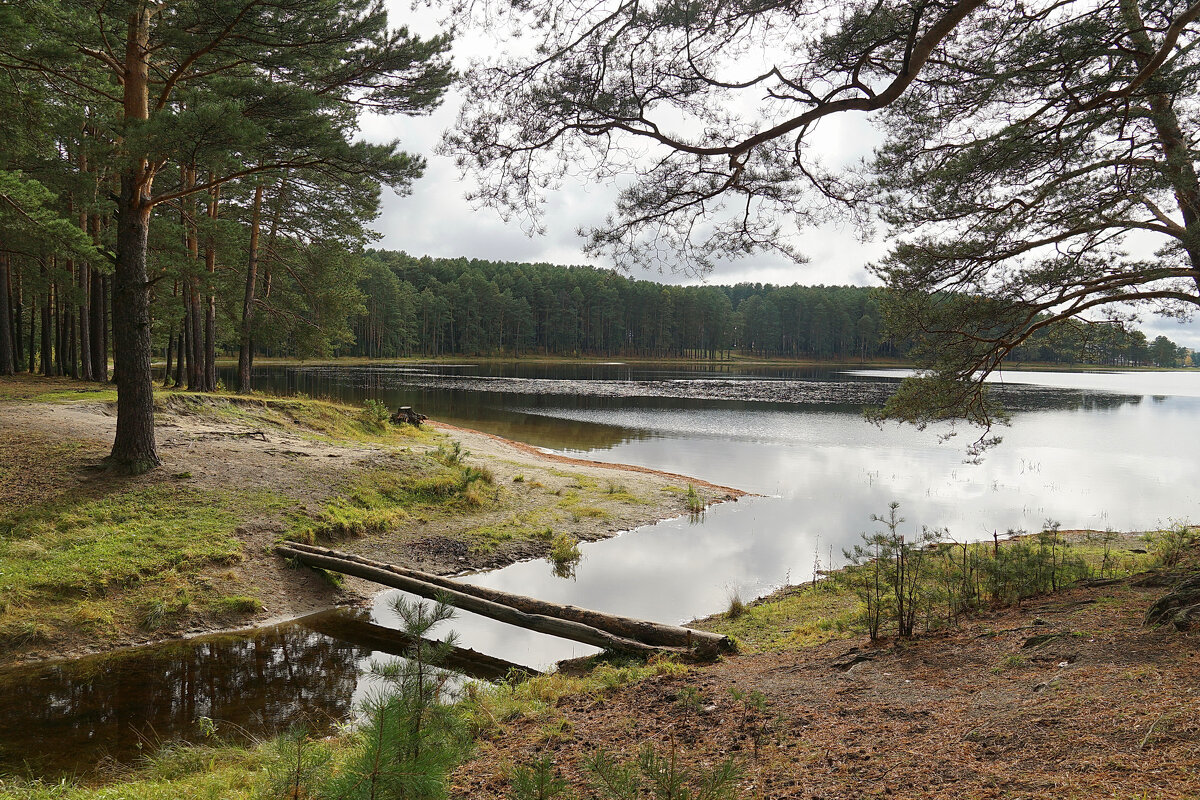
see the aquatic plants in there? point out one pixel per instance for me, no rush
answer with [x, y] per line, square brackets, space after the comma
[565, 554]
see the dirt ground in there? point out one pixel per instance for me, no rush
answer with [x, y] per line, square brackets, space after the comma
[1069, 696]
[208, 452]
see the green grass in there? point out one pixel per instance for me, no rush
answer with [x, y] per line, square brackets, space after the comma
[518, 527]
[131, 558]
[797, 617]
[794, 617]
[384, 499]
[216, 771]
[318, 419]
[98, 394]
[81, 548]
[489, 708]
[574, 503]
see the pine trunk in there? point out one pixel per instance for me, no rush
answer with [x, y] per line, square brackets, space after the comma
[18, 310]
[32, 337]
[167, 369]
[85, 324]
[185, 341]
[7, 351]
[180, 350]
[47, 349]
[210, 309]
[246, 343]
[134, 448]
[99, 315]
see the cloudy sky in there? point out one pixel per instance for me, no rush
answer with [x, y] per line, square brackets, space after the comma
[437, 220]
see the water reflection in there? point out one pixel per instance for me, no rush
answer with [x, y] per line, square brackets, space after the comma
[539, 403]
[1077, 452]
[69, 716]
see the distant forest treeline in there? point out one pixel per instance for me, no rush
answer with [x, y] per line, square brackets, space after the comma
[439, 306]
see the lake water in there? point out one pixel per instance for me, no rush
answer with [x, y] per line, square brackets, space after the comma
[1088, 450]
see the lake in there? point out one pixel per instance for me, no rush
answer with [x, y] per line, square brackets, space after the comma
[1086, 449]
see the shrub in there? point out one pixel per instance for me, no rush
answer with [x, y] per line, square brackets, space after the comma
[411, 739]
[374, 416]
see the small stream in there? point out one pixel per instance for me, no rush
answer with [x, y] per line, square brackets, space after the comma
[1090, 450]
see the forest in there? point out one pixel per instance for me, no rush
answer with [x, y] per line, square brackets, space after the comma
[431, 306]
[323, 301]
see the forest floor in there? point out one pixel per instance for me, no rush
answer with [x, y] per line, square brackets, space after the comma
[90, 560]
[1068, 696]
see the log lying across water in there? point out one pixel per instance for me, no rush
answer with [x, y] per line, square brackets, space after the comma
[387, 640]
[608, 631]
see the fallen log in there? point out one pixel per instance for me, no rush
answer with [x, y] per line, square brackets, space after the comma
[570, 622]
[472, 663]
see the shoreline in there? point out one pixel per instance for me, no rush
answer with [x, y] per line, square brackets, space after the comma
[732, 493]
[290, 476]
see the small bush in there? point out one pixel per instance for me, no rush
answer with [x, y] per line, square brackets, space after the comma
[565, 548]
[451, 455]
[1170, 545]
[374, 416]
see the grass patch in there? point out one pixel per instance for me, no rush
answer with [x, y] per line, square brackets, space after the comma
[737, 606]
[571, 501]
[319, 419]
[212, 771]
[791, 618]
[1010, 662]
[82, 548]
[236, 605]
[384, 499]
[125, 560]
[522, 527]
[99, 394]
[489, 708]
